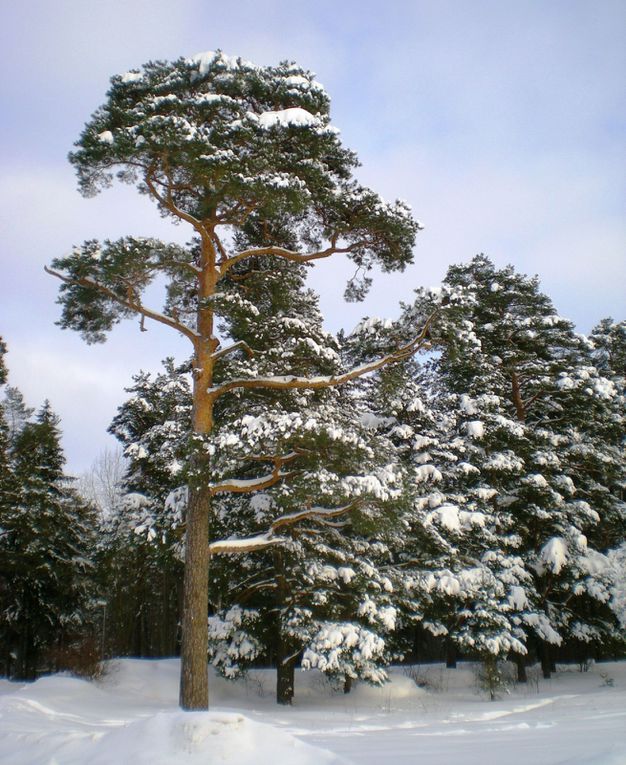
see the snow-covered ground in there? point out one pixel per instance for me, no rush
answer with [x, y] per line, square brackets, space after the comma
[132, 717]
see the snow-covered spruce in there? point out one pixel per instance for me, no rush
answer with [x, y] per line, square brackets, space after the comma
[46, 545]
[539, 428]
[453, 577]
[323, 577]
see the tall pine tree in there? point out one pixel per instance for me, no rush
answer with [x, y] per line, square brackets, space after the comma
[218, 143]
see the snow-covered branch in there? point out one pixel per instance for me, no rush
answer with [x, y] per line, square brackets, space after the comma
[261, 541]
[249, 544]
[249, 485]
[282, 382]
[320, 513]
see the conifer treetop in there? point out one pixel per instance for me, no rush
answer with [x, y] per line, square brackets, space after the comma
[216, 141]
[3, 369]
[609, 348]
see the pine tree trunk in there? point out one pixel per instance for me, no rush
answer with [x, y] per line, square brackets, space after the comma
[520, 662]
[546, 662]
[194, 680]
[450, 655]
[194, 684]
[347, 684]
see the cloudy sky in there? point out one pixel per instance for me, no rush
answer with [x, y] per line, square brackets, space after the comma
[500, 122]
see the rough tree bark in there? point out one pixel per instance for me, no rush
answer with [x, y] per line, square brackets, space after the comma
[194, 683]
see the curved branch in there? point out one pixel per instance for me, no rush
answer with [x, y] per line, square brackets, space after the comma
[313, 383]
[316, 513]
[240, 345]
[131, 305]
[286, 254]
[169, 204]
[262, 541]
[249, 485]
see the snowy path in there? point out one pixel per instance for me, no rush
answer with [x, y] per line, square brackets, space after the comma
[574, 719]
[564, 732]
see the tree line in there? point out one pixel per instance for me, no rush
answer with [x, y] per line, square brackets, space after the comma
[468, 501]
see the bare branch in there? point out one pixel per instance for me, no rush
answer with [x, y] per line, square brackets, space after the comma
[283, 252]
[129, 303]
[532, 399]
[240, 345]
[244, 595]
[220, 247]
[238, 214]
[169, 204]
[189, 266]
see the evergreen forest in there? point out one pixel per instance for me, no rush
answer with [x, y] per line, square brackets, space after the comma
[444, 484]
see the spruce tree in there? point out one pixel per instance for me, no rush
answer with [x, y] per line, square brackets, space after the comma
[599, 455]
[322, 582]
[142, 538]
[608, 341]
[221, 144]
[46, 548]
[602, 423]
[457, 579]
[525, 387]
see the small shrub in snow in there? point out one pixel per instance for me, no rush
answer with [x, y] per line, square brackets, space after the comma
[492, 677]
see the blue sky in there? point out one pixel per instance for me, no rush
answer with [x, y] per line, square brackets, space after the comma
[502, 123]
